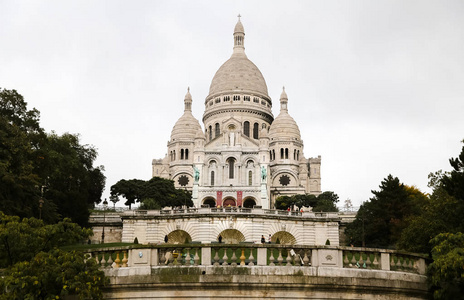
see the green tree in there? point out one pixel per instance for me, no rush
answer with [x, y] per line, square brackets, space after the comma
[129, 189]
[19, 135]
[446, 272]
[326, 202]
[22, 239]
[158, 192]
[380, 220]
[73, 184]
[453, 182]
[284, 202]
[30, 159]
[438, 214]
[53, 275]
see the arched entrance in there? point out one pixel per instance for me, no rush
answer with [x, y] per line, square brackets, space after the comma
[231, 236]
[179, 237]
[249, 202]
[283, 238]
[209, 201]
[229, 201]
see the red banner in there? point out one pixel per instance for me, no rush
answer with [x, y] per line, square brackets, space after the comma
[239, 198]
[219, 198]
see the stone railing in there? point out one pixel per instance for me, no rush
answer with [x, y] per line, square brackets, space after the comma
[249, 255]
[229, 210]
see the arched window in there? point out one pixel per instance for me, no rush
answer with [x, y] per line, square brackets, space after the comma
[281, 153]
[217, 131]
[298, 155]
[246, 128]
[231, 163]
[186, 153]
[212, 178]
[273, 154]
[210, 133]
[255, 130]
[286, 153]
[174, 154]
[181, 153]
[270, 154]
[294, 154]
[250, 177]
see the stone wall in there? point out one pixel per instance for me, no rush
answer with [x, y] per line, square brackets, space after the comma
[206, 226]
[150, 273]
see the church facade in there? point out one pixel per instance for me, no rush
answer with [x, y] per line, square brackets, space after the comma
[243, 156]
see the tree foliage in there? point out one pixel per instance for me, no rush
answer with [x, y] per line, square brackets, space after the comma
[325, 202]
[53, 275]
[453, 182]
[32, 161]
[154, 193]
[380, 221]
[37, 269]
[22, 239]
[446, 272]
[438, 214]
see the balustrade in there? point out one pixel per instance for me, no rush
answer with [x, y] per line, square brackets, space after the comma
[110, 258]
[248, 255]
[229, 210]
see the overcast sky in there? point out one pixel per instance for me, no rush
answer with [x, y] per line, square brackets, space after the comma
[376, 87]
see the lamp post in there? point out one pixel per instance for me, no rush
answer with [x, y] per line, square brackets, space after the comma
[41, 201]
[105, 205]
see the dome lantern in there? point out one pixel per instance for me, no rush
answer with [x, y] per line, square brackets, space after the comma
[239, 38]
[188, 101]
[283, 101]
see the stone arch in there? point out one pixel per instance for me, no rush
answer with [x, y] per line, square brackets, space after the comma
[231, 236]
[210, 201]
[229, 201]
[285, 238]
[249, 202]
[216, 158]
[179, 237]
[244, 160]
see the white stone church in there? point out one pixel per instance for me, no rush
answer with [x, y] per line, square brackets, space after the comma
[244, 157]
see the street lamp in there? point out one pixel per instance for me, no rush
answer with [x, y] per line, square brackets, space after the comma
[105, 206]
[41, 201]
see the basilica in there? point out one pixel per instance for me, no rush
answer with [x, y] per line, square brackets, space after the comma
[244, 157]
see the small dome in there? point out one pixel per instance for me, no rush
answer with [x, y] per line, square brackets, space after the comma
[284, 126]
[187, 126]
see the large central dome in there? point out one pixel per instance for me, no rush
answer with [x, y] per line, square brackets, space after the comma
[238, 74]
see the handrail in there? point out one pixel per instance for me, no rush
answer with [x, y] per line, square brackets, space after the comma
[229, 210]
[249, 255]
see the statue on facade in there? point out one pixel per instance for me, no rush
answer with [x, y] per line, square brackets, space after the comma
[263, 173]
[231, 138]
[196, 173]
